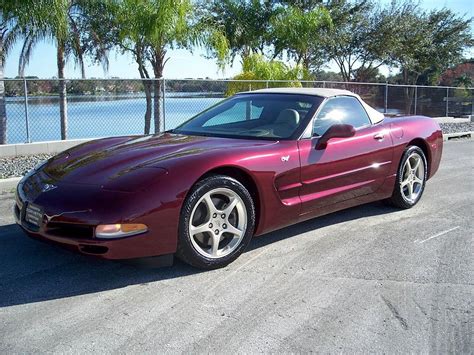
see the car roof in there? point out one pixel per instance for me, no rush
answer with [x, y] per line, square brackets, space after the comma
[323, 92]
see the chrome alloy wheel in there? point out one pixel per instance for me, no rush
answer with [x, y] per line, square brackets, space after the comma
[218, 223]
[413, 177]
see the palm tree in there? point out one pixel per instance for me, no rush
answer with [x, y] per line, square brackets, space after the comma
[66, 23]
[298, 33]
[246, 24]
[13, 15]
[148, 28]
[6, 34]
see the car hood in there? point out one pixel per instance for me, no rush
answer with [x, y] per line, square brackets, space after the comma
[101, 161]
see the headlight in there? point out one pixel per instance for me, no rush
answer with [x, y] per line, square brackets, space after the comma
[36, 168]
[111, 231]
[40, 164]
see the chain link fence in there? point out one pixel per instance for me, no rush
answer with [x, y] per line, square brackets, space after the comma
[111, 107]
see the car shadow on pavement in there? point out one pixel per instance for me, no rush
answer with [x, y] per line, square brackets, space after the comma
[362, 211]
[32, 271]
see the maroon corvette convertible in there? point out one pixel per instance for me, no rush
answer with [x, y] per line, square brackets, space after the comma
[253, 163]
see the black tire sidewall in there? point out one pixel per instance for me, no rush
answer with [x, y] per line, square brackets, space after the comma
[186, 250]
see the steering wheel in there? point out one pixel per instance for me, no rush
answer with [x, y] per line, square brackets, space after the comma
[258, 132]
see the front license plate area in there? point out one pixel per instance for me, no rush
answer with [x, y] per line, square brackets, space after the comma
[34, 214]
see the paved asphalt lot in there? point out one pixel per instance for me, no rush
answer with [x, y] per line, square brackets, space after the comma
[369, 278]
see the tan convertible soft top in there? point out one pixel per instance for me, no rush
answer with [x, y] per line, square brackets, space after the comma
[374, 115]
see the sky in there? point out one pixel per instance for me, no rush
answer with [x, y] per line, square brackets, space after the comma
[182, 63]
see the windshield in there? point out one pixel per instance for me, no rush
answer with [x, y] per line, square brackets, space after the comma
[265, 116]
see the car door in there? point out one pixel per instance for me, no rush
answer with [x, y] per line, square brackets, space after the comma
[347, 167]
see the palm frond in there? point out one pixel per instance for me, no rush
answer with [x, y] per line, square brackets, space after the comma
[76, 45]
[10, 38]
[25, 53]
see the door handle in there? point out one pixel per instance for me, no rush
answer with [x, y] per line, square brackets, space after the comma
[379, 136]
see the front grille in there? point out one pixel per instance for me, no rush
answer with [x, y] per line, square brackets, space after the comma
[69, 230]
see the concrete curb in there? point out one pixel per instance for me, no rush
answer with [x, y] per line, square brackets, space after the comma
[10, 183]
[452, 119]
[448, 136]
[6, 185]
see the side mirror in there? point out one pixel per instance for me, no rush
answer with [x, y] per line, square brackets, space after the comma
[335, 131]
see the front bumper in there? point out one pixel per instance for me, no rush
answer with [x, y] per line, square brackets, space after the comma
[125, 248]
[71, 224]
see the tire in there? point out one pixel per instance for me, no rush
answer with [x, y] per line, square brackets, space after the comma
[411, 180]
[216, 223]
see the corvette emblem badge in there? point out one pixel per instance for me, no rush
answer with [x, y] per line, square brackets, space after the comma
[48, 187]
[285, 158]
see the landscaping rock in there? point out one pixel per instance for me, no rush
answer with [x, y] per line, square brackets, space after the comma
[19, 166]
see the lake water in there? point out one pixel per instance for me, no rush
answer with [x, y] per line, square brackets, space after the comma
[96, 117]
[115, 115]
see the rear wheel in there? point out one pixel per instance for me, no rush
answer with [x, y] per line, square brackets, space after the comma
[411, 178]
[216, 224]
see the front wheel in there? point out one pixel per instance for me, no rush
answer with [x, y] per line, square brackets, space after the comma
[411, 179]
[216, 224]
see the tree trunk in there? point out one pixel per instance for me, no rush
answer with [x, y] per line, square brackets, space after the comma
[346, 76]
[147, 88]
[62, 90]
[3, 111]
[408, 93]
[306, 62]
[146, 85]
[157, 104]
[158, 71]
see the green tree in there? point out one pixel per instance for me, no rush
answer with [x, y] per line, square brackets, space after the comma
[14, 17]
[369, 75]
[269, 72]
[427, 43]
[358, 42]
[148, 29]
[464, 81]
[7, 36]
[303, 4]
[65, 21]
[322, 75]
[245, 23]
[299, 32]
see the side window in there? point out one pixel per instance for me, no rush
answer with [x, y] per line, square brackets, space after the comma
[344, 109]
[241, 111]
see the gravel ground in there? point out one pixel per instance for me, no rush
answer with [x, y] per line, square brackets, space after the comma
[19, 166]
[457, 127]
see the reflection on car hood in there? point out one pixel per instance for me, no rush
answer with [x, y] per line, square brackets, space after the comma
[99, 161]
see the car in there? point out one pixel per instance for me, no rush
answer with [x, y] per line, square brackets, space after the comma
[254, 163]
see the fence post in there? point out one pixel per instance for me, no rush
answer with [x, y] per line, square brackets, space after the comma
[163, 89]
[324, 84]
[27, 122]
[386, 99]
[447, 102]
[416, 97]
[267, 84]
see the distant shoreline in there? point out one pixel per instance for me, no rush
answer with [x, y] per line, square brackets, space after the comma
[50, 98]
